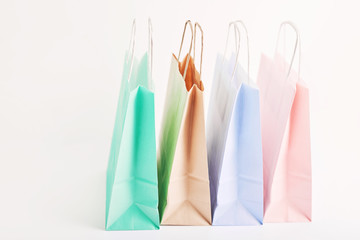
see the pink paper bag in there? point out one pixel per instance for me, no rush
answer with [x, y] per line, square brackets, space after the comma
[285, 127]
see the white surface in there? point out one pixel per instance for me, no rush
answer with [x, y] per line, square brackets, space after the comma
[60, 69]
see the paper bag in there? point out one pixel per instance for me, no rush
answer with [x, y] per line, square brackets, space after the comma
[234, 145]
[184, 194]
[286, 142]
[131, 183]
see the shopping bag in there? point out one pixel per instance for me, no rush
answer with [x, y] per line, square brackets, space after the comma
[131, 184]
[234, 145]
[184, 194]
[286, 140]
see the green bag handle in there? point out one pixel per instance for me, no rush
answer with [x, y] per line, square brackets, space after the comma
[150, 53]
[132, 47]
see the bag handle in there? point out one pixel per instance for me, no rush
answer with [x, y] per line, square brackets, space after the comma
[297, 43]
[132, 47]
[237, 44]
[247, 43]
[150, 51]
[182, 41]
[197, 25]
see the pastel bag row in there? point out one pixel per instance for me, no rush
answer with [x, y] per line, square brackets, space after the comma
[250, 164]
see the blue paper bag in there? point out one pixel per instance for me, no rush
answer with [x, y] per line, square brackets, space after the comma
[235, 155]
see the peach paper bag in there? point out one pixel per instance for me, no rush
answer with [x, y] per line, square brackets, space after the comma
[184, 192]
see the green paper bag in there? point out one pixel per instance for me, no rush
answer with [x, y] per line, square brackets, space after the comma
[131, 183]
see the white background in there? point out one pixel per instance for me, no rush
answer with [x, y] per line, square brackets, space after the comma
[60, 69]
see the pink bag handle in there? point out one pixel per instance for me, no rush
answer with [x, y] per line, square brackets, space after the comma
[297, 44]
[182, 41]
